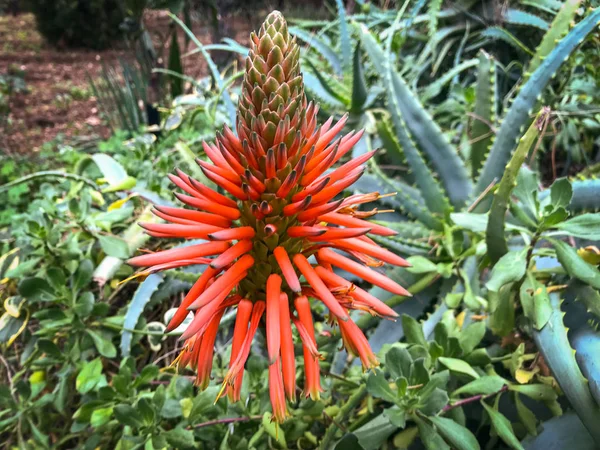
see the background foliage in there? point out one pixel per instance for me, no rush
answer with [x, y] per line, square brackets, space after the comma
[488, 133]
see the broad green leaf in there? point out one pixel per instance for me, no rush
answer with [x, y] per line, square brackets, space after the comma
[471, 336]
[378, 386]
[396, 416]
[488, 384]
[539, 392]
[503, 427]
[429, 436]
[434, 402]
[274, 430]
[585, 226]
[561, 193]
[89, 376]
[398, 362]
[509, 269]
[575, 266]
[413, 331]
[459, 437]
[459, 366]
[114, 246]
[180, 438]
[104, 346]
[528, 419]
[101, 416]
[420, 264]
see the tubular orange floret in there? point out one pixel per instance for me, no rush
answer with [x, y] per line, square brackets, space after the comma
[273, 328]
[241, 266]
[182, 231]
[283, 259]
[305, 231]
[229, 186]
[174, 254]
[288, 360]
[334, 280]
[240, 330]
[370, 275]
[317, 284]
[209, 206]
[352, 222]
[228, 175]
[232, 234]
[313, 213]
[312, 386]
[191, 216]
[358, 344]
[231, 254]
[206, 351]
[334, 234]
[277, 393]
[371, 250]
[192, 295]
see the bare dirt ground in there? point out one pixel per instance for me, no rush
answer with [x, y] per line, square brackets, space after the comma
[58, 101]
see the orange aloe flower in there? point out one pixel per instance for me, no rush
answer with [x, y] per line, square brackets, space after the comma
[279, 209]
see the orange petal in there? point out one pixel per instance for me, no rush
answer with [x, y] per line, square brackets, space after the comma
[313, 213]
[287, 185]
[311, 364]
[210, 206]
[206, 351]
[359, 342]
[369, 275]
[287, 269]
[352, 222]
[229, 186]
[227, 174]
[304, 231]
[333, 234]
[234, 272]
[174, 254]
[231, 254]
[372, 250]
[295, 208]
[273, 328]
[288, 359]
[346, 168]
[276, 392]
[237, 233]
[181, 231]
[192, 295]
[317, 284]
[239, 333]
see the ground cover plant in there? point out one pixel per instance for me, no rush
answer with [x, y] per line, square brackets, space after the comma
[419, 271]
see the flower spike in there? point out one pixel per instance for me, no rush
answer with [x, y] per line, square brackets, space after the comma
[274, 231]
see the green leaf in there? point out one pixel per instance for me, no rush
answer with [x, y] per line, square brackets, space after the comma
[175, 66]
[344, 34]
[482, 124]
[101, 416]
[319, 45]
[488, 384]
[422, 127]
[518, 17]
[413, 331]
[379, 387]
[136, 308]
[429, 436]
[455, 434]
[495, 236]
[575, 266]
[459, 366]
[471, 336]
[509, 269]
[398, 362]
[538, 392]
[274, 430]
[434, 402]
[114, 246]
[585, 226]
[396, 416]
[527, 417]
[127, 415]
[558, 28]
[359, 84]
[84, 274]
[518, 115]
[35, 289]
[420, 264]
[89, 376]
[85, 304]
[104, 346]
[561, 193]
[503, 427]
[553, 343]
[348, 442]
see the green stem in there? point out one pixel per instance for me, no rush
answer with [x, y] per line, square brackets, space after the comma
[47, 174]
[352, 402]
[132, 330]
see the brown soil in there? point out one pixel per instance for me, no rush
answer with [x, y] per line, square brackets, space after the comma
[58, 101]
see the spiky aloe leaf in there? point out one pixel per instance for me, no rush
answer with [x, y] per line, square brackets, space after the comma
[554, 345]
[212, 67]
[344, 35]
[329, 83]
[433, 12]
[549, 6]
[482, 131]
[559, 27]
[320, 46]
[518, 114]
[587, 346]
[423, 129]
[524, 18]
[408, 202]
[323, 95]
[500, 34]
[359, 84]
[432, 193]
[436, 87]
[495, 236]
